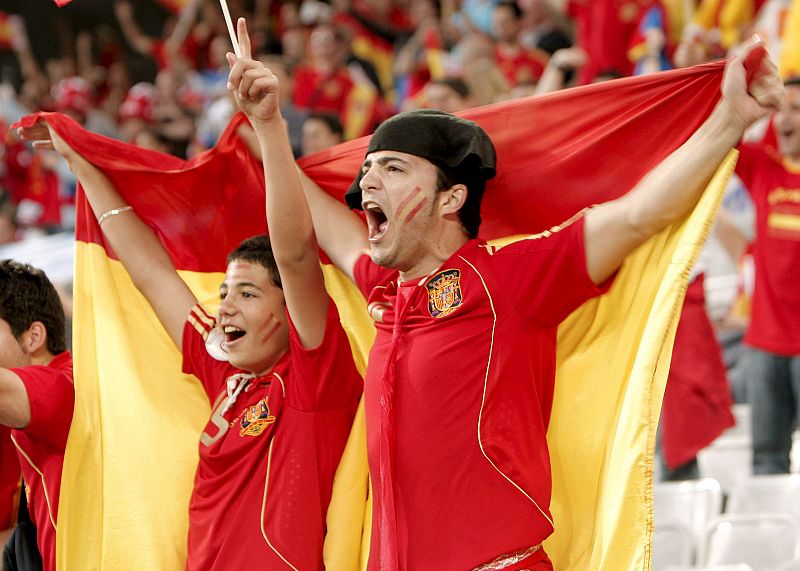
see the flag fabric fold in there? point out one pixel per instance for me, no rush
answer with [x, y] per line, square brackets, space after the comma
[133, 446]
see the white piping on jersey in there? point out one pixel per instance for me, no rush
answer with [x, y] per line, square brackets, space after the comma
[41, 476]
[266, 488]
[483, 396]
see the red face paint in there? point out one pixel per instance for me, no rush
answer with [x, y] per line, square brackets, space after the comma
[272, 326]
[414, 203]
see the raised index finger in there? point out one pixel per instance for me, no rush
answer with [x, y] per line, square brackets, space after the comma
[244, 38]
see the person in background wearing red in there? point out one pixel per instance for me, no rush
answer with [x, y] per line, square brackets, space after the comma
[36, 391]
[772, 338]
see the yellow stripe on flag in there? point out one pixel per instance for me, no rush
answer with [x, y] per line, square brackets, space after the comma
[130, 460]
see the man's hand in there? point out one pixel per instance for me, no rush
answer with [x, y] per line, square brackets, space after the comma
[254, 86]
[745, 103]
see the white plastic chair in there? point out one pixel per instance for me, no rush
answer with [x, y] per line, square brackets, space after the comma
[768, 493]
[741, 430]
[765, 541]
[673, 544]
[729, 460]
[692, 503]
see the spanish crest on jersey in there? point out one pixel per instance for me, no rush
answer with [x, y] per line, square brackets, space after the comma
[256, 419]
[444, 292]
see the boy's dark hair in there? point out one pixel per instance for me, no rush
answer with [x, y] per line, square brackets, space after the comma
[258, 250]
[457, 85]
[470, 213]
[331, 121]
[26, 296]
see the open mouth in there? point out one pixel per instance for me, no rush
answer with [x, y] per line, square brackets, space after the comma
[377, 223]
[233, 334]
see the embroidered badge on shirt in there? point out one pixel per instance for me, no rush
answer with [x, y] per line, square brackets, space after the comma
[256, 419]
[444, 293]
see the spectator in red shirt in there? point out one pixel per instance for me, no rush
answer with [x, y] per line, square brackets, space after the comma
[772, 338]
[518, 63]
[36, 391]
[457, 348]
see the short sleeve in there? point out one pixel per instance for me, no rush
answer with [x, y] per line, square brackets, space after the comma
[323, 378]
[746, 165]
[52, 399]
[367, 274]
[196, 359]
[545, 276]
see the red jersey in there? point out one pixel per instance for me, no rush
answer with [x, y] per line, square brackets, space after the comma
[774, 186]
[604, 29]
[41, 445]
[10, 478]
[520, 66]
[464, 360]
[318, 92]
[266, 467]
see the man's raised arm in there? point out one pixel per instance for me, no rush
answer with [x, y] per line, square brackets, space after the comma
[340, 231]
[670, 191]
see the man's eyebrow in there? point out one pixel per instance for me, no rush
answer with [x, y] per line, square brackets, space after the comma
[383, 161]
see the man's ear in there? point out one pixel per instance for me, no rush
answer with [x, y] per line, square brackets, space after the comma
[34, 338]
[453, 199]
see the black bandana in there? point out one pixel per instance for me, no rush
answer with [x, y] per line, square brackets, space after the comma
[443, 139]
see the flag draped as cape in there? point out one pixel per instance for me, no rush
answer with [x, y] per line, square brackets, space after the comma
[133, 445]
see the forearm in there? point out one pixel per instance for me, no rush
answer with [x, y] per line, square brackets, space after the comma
[139, 250]
[185, 21]
[288, 217]
[670, 191]
[134, 36]
[340, 232]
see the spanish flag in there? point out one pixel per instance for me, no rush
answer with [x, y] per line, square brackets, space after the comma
[6, 32]
[730, 17]
[132, 449]
[173, 6]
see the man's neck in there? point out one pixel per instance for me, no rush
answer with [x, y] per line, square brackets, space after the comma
[442, 251]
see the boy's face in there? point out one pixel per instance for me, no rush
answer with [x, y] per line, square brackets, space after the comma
[253, 318]
[11, 352]
[787, 123]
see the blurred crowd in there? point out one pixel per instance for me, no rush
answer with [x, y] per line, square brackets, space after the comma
[344, 66]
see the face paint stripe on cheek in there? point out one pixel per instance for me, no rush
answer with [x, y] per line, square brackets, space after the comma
[411, 196]
[410, 206]
[272, 330]
[415, 210]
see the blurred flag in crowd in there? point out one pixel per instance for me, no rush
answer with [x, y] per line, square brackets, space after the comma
[61, 3]
[6, 31]
[789, 63]
[174, 6]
